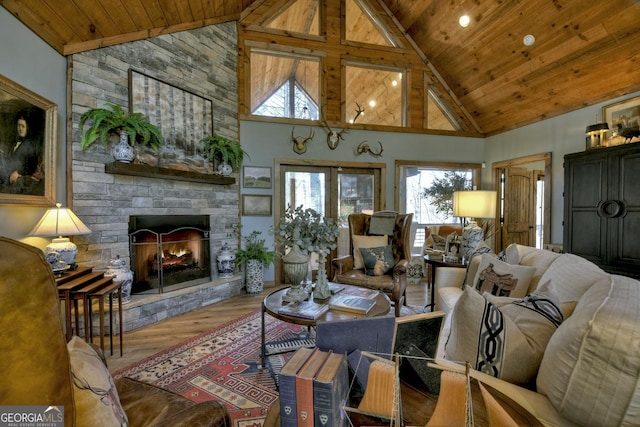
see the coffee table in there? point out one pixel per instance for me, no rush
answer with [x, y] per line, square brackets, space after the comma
[273, 302]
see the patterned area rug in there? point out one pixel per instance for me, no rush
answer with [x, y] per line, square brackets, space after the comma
[223, 364]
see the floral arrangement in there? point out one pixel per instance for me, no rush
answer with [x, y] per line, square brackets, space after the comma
[317, 233]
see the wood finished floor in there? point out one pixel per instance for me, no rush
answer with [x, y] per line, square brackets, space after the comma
[144, 342]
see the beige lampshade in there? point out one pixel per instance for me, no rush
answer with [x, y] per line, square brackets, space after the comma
[59, 221]
[474, 204]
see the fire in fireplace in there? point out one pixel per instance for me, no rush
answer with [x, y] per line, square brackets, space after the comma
[169, 252]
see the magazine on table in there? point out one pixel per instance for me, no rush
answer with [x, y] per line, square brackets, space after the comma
[360, 292]
[304, 309]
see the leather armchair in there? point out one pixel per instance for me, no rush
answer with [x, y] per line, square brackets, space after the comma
[394, 285]
[35, 365]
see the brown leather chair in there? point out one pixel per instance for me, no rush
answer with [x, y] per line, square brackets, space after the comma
[394, 284]
[35, 365]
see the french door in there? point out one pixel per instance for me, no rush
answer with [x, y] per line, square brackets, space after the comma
[332, 190]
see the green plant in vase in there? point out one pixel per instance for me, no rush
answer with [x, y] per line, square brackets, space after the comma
[228, 152]
[255, 256]
[301, 232]
[132, 128]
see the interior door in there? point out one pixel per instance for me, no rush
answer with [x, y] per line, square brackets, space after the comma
[519, 216]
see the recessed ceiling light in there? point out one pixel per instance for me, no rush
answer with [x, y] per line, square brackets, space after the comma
[464, 21]
[372, 103]
[529, 40]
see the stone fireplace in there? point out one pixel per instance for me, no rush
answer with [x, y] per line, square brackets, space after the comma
[106, 197]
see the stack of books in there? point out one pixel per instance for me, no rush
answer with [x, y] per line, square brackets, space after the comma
[351, 303]
[314, 385]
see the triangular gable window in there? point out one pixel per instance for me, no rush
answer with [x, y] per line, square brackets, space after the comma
[439, 115]
[298, 16]
[365, 26]
[281, 104]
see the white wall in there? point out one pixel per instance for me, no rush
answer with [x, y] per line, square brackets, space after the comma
[30, 62]
[559, 135]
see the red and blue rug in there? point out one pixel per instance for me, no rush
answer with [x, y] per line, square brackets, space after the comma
[224, 365]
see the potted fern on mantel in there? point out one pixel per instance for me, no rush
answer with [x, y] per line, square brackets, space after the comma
[226, 151]
[255, 256]
[132, 128]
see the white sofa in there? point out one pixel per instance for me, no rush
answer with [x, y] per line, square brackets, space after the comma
[590, 368]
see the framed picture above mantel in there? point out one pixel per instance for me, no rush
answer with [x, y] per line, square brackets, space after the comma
[28, 146]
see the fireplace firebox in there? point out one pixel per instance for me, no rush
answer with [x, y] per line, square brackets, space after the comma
[169, 252]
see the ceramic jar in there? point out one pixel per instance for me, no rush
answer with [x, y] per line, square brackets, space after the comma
[226, 262]
[120, 273]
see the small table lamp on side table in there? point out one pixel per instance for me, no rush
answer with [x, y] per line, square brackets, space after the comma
[57, 222]
[473, 204]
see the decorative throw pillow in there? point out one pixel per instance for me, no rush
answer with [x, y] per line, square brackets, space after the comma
[589, 370]
[377, 261]
[503, 337]
[95, 395]
[360, 241]
[502, 279]
[510, 255]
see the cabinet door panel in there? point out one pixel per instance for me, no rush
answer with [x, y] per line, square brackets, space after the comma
[588, 236]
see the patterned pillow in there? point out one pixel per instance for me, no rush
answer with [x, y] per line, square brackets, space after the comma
[502, 279]
[377, 261]
[503, 337]
[360, 241]
[95, 395]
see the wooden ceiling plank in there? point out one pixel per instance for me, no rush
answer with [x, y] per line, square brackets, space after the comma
[170, 12]
[138, 14]
[119, 15]
[30, 16]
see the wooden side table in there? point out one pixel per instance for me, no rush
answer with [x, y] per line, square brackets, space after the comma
[108, 291]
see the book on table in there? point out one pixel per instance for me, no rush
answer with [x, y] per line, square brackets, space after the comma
[287, 386]
[360, 292]
[351, 303]
[304, 387]
[304, 309]
[330, 391]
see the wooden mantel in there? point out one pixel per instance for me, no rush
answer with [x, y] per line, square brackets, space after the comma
[134, 169]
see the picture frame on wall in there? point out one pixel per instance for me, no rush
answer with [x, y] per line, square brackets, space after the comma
[256, 205]
[256, 177]
[184, 118]
[624, 120]
[28, 146]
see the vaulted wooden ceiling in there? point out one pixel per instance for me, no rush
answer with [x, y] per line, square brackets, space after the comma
[585, 51]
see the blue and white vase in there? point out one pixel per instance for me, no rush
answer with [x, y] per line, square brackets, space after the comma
[226, 262]
[122, 151]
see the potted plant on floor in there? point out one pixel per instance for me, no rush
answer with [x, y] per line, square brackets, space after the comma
[227, 152]
[132, 128]
[255, 257]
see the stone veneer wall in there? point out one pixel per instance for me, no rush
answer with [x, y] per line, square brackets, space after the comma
[203, 61]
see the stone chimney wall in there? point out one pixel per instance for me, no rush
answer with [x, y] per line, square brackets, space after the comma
[202, 61]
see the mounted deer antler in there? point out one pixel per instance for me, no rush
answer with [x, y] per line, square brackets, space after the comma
[333, 137]
[300, 142]
[363, 147]
[359, 111]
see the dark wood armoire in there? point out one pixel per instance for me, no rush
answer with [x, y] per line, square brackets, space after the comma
[602, 207]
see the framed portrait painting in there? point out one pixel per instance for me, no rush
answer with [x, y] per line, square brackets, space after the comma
[624, 119]
[27, 146]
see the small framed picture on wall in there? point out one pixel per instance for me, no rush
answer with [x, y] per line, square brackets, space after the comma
[256, 177]
[256, 205]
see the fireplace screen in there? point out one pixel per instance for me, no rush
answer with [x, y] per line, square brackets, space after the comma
[165, 258]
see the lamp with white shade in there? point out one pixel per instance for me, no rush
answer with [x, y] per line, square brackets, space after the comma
[57, 222]
[473, 204]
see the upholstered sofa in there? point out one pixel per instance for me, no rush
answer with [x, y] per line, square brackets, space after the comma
[586, 368]
[39, 368]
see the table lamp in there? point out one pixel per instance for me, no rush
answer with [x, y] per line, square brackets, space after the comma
[60, 222]
[473, 204]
